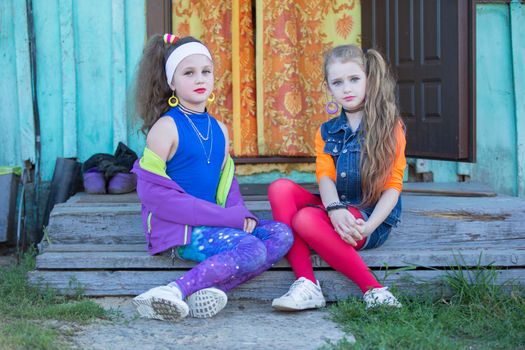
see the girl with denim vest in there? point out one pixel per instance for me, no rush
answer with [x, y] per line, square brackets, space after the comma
[191, 203]
[359, 167]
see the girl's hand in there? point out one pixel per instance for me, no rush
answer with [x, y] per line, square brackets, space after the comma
[249, 225]
[345, 225]
[363, 227]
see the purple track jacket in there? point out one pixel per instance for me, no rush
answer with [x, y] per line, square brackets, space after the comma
[168, 212]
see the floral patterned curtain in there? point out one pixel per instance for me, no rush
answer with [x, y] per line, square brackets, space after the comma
[269, 91]
[226, 27]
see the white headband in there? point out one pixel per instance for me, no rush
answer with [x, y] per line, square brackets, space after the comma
[180, 53]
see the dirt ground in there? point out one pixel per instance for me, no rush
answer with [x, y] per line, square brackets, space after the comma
[243, 324]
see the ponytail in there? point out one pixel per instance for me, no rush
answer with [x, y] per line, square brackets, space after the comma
[151, 91]
[379, 126]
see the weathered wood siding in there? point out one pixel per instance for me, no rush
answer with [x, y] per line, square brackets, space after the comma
[87, 51]
[16, 111]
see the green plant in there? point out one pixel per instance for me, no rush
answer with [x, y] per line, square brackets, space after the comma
[21, 304]
[473, 311]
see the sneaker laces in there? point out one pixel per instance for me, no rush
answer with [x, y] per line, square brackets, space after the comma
[302, 289]
[380, 296]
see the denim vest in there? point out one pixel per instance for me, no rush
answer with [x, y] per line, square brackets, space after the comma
[345, 148]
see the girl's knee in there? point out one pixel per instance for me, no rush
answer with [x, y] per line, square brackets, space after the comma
[304, 220]
[284, 235]
[280, 187]
[277, 237]
[251, 254]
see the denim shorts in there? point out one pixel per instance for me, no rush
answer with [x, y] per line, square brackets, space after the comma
[378, 237]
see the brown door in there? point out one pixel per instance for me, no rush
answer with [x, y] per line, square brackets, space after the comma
[429, 46]
[158, 17]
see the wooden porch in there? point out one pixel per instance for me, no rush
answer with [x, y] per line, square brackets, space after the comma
[96, 242]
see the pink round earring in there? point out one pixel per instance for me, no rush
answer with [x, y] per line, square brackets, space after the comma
[332, 107]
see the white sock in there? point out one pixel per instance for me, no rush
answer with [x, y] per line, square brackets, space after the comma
[175, 285]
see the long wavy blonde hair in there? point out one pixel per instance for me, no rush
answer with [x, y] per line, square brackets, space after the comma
[380, 119]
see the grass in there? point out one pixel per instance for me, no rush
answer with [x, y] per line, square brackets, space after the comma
[21, 334]
[476, 313]
[22, 306]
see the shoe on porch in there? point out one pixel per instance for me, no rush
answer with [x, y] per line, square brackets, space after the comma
[302, 295]
[206, 302]
[162, 303]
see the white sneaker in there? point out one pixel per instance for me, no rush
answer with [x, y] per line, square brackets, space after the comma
[303, 294]
[380, 296]
[162, 303]
[207, 302]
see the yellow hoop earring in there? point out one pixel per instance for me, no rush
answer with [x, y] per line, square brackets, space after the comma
[211, 98]
[173, 101]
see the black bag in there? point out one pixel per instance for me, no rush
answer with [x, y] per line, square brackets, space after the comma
[121, 162]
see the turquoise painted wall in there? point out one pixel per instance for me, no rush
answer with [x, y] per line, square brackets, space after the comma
[15, 97]
[87, 51]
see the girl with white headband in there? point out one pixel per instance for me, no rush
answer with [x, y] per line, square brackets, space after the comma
[191, 202]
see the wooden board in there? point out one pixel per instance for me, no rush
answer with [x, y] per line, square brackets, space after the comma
[374, 258]
[84, 198]
[439, 222]
[260, 192]
[86, 247]
[495, 205]
[454, 189]
[269, 285]
[102, 246]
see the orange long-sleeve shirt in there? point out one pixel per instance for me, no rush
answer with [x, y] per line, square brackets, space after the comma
[325, 163]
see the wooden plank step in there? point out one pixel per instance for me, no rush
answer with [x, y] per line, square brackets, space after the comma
[492, 207]
[375, 259]
[455, 189]
[109, 223]
[75, 207]
[458, 189]
[86, 247]
[437, 221]
[260, 191]
[269, 285]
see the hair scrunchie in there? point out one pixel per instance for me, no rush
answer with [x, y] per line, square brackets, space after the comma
[170, 38]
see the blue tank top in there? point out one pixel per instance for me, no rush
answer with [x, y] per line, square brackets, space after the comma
[196, 165]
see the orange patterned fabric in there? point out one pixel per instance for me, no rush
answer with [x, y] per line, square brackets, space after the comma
[211, 22]
[269, 93]
[291, 98]
[247, 72]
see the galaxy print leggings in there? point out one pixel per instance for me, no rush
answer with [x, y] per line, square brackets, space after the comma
[229, 256]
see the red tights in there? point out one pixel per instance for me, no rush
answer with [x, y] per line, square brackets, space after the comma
[312, 228]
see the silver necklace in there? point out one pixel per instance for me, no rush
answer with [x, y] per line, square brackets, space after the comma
[202, 138]
[196, 129]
